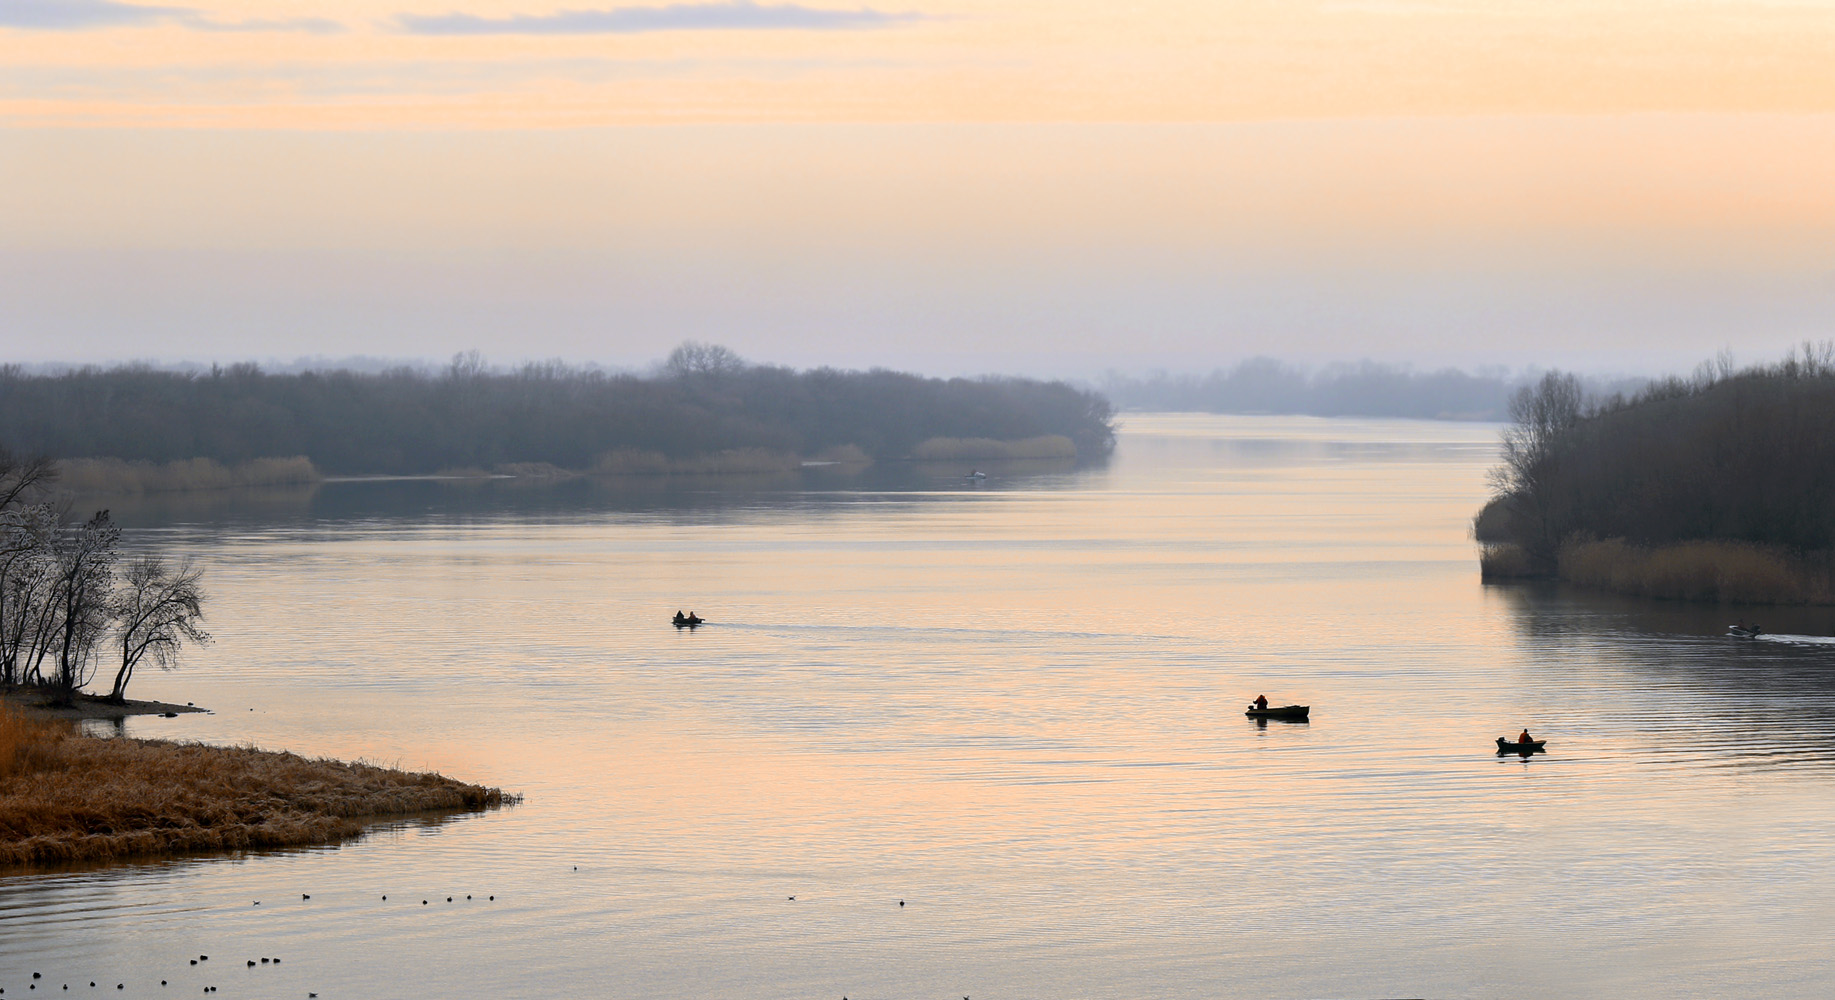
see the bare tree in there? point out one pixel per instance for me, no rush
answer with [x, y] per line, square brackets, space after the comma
[83, 596]
[21, 478]
[694, 358]
[28, 537]
[156, 614]
[1542, 415]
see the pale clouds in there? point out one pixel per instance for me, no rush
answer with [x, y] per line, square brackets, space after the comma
[740, 15]
[66, 15]
[77, 15]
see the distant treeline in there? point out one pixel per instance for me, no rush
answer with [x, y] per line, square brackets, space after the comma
[1720, 486]
[1264, 385]
[704, 401]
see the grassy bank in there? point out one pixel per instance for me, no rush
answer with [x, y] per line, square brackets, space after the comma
[1046, 446]
[69, 797]
[112, 475]
[1717, 571]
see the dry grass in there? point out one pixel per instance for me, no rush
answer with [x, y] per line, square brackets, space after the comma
[1728, 572]
[741, 461]
[112, 475]
[1503, 561]
[952, 449]
[845, 454]
[26, 743]
[535, 470]
[66, 797]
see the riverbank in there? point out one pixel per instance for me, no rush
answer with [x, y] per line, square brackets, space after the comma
[88, 706]
[69, 797]
[1721, 572]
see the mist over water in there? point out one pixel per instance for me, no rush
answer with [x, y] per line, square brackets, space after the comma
[1017, 707]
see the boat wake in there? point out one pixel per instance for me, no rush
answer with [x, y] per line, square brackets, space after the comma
[1797, 640]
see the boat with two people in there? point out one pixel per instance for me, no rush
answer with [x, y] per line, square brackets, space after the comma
[689, 620]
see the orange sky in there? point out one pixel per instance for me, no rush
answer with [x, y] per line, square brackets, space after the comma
[342, 64]
[1088, 183]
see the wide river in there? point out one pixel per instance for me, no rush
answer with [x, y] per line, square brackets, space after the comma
[1015, 706]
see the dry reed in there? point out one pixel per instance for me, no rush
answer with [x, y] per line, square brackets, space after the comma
[1504, 561]
[66, 797]
[740, 461]
[845, 454]
[112, 475]
[941, 449]
[1730, 572]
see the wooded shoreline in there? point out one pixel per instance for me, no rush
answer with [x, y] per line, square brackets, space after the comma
[1716, 488]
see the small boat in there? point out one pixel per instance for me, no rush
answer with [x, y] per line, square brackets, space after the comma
[976, 477]
[1744, 631]
[1283, 712]
[1506, 746]
[687, 621]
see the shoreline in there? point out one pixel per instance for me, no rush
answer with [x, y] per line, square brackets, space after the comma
[89, 706]
[68, 796]
[1707, 571]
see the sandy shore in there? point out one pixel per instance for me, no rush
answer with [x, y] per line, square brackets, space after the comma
[92, 707]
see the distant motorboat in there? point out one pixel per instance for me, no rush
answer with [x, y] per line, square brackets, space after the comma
[976, 476]
[1505, 746]
[1744, 631]
[687, 621]
[1290, 712]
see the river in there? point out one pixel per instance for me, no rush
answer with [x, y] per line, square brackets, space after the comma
[1015, 706]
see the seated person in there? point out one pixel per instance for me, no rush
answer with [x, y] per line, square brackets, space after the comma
[1261, 702]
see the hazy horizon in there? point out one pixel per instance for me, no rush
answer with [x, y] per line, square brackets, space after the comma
[938, 186]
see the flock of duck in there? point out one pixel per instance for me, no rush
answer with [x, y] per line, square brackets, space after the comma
[252, 963]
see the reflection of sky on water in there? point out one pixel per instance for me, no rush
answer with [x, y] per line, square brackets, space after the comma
[1017, 708]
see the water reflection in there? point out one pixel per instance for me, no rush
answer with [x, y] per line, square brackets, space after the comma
[1019, 709]
[1663, 678]
[686, 499]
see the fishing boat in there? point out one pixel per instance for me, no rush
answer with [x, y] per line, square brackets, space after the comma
[1283, 712]
[1506, 746]
[1744, 631]
[686, 621]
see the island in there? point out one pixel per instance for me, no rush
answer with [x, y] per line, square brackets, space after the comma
[1719, 487]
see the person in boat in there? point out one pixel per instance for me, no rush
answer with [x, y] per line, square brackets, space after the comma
[1523, 737]
[680, 619]
[1261, 703]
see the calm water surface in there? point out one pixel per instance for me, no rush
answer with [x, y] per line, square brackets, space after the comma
[1015, 707]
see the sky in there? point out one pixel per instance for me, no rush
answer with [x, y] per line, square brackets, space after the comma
[950, 187]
